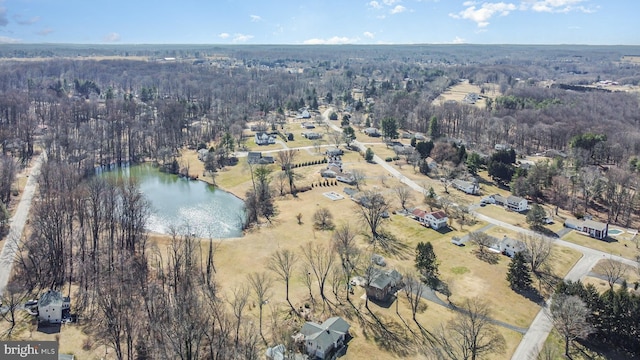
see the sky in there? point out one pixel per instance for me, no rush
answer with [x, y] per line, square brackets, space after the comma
[591, 22]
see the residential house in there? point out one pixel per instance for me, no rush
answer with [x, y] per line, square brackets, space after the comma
[502, 147]
[420, 215]
[510, 247]
[256, 157]
[593, 228]
[51, 306]
[276, 353]
[312, 135]
[321, 340]
[304, 115]
[331, 171]
[437, 219]
[262, 138]
[346, 178]
[202, 154]
[307, 125]
[383, 283]
[371, 131]
[517, 203]
[465, 186]
[432, 164]
[334, 152]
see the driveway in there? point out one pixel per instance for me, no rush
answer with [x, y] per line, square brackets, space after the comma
[17, 223]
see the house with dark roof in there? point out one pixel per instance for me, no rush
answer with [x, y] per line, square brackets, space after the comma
[383, 283]
[437, 219]
[321, 340]
[51, 305]
[592, 228]
[256, 157]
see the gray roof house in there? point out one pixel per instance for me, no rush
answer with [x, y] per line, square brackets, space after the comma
[383, 283]
[50, 306]
[321, 339]
[262, 138]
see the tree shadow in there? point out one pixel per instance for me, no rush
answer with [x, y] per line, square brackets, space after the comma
[532, 295]
[544, 231]
[392, 246]
[487, 256]
[389, 335]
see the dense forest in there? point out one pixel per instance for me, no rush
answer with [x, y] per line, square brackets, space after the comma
[102, 105]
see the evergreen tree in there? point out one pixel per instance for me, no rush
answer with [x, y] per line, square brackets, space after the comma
[434, 128]
[427, 264]
[519, 275]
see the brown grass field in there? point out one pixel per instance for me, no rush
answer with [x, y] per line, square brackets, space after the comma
[466, 274]
[459, 91]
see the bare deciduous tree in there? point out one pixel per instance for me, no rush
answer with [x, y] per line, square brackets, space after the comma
[404, 194]
[413, 289]
[373, 207]
[282, 262]
[470, 335]
[323, 219]
[538, 251]
[344, 243]
[286, 159]
[320, 261]
[569, 316]
[261, 286]
[614, 271]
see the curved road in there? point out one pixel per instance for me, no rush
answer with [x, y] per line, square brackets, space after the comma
[17, 222]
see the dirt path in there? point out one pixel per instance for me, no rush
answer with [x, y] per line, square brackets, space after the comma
[17, 223]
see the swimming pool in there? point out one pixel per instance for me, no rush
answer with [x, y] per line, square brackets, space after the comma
[615, 232]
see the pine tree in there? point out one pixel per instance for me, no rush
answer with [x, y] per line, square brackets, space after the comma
[519, 275]
[427, 264]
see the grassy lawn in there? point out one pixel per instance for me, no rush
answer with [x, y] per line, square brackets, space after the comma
[498, 212]
[626, 249]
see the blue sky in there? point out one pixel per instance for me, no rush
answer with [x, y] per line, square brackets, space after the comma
[607, 22]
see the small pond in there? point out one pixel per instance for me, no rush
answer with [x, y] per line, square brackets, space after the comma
[193, 207]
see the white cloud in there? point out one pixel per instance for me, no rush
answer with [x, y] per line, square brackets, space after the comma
[554, 6]
[8, 40]
[398, 9]
[224, 35]
[484, 13]
[458, 40]
[111, 37]
[374, 4]
[255, 18]
[242, 37]
[368, 34]
[390, 2]
[331, 41]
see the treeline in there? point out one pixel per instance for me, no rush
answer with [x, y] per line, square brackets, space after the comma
[88, 239]
[613, 314]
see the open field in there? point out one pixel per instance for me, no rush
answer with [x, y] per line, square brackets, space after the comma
[459, 91]
[624, 248]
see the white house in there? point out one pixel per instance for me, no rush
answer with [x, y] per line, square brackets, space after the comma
[437, 219]
[321, 339]
[593, 228]
[516, 203]
[465, 186]
[371, 131]
[262, 138]
[51, 305]
[510, 246]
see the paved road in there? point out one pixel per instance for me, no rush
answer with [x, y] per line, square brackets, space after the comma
[17, 222]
